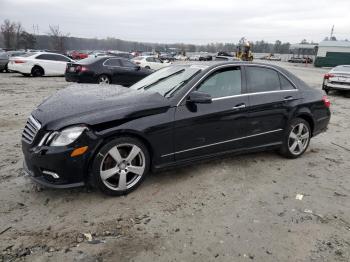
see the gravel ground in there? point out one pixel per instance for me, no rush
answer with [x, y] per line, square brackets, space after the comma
[238, 208]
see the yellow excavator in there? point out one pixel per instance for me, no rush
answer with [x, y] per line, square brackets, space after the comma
[243, 51]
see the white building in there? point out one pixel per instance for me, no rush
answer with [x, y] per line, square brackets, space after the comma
[333, 53]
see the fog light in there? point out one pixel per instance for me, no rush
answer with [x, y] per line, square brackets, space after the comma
[53, 174]
[79, 151]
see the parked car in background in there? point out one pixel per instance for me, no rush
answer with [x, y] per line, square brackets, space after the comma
[113, 136]
[304, 60]
[150, 62]
[105, 70]
[182, 57]
[205, 58]
[122, 54]
[271, 57]
[226, 58]
[39, 64]
[166, 57]
[5, 58]
[77, 55]
[337, 79]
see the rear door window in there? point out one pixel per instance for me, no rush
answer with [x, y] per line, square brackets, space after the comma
[112, 62]
[285, 83]
[261, 79]
[222, 83]
[127, 63]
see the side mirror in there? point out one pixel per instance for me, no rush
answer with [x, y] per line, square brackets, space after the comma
[198, 97]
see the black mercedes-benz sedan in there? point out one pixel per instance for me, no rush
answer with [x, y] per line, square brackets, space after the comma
[112, 136]
[105, 70]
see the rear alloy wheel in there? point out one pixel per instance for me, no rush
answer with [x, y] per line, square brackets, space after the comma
[120, 166]
[297, 139]
[37, 71]
[103, 79]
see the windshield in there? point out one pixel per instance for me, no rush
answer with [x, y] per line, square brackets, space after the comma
[167, 81]
[342, 69]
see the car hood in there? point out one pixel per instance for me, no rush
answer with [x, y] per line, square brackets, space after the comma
[96, 104]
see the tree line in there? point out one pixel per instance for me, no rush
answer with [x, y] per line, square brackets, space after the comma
[14, 36]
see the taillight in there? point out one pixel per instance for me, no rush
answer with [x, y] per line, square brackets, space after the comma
[80, 68]
[19, 62]
[326, 101]
[327, 76]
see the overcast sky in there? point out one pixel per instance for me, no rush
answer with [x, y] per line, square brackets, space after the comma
[188, 21]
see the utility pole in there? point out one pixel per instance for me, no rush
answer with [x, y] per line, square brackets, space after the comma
[332, 31]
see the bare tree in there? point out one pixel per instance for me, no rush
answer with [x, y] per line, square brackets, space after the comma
[27, 40]
[58, 38]
[18, 30]
[8, 31]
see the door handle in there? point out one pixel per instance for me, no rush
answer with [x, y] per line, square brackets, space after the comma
[239, 106]
[288, 98]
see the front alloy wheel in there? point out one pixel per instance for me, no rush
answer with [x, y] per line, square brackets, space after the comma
[121, 165]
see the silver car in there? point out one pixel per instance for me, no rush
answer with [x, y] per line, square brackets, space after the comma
[5, 56]
[337, 79]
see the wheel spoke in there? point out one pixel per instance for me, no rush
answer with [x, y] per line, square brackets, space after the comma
[138, 170]
[300, 129]
[122, 181]
[293, 135]
[133, 153]
[294, 145]
[300, 145]
[305, 136]
[105, 174]
[115, 154]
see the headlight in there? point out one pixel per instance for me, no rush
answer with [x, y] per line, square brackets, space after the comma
[66, 136]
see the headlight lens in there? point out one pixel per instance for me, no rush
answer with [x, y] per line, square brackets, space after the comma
[67, 136]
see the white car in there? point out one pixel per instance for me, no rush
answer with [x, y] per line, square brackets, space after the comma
[337, 79]
[150, 62]
[39, 64]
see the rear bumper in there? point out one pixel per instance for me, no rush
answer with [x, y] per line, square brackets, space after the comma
[19, 68]
[80, 77]
[345, 86]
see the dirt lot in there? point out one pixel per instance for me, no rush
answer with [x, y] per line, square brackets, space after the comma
[233, 209]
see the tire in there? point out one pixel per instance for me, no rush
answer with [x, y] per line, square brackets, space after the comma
[296, 140]
[37, 71]
[104, 79]
[111, 164]
[147, 67]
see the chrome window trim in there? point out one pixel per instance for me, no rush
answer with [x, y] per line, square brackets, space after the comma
[252, 94]
[119, 58]
[222, 142]
[243, 64]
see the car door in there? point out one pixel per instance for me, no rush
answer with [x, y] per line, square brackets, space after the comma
[131, 72]
[271, 98]
[44, 60]
[112, 68]
[59, 64]
[205, 129]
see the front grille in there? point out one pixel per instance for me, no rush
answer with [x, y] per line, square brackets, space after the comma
[30, 130]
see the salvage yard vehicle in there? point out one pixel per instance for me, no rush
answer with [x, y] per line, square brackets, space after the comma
[304, 60]
[111, 137]
[337, 79]
[105, 70]
[150, 62]
[5, 58]
[39, 64]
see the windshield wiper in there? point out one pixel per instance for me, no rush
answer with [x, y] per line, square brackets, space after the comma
[160, 80]
[175, 87]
